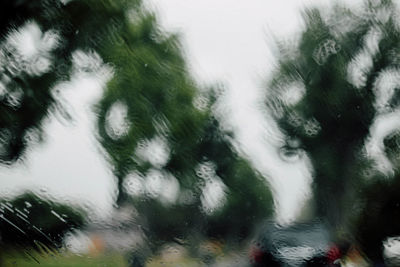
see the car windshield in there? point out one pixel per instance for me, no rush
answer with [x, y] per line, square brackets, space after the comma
[199, 133]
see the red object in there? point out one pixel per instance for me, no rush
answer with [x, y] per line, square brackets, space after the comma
[333, 254]
[256, 254]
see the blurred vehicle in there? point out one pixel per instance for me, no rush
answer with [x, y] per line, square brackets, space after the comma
[301, 244]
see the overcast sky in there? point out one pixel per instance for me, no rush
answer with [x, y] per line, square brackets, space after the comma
[229, 41]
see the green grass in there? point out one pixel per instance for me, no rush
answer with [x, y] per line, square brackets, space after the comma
[18, 259]
[63, 260]
[183, 262]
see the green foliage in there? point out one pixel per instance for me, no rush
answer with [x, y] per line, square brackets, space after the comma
[60, 29]
[380, 216]
[31, 222]
[157, 99]
[338, 70]
[247, 200]
[27, 81]
[150, 98]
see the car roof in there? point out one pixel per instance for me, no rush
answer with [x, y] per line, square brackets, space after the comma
[311, 234]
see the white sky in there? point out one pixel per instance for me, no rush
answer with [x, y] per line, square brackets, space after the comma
[232, 41]
[225, 40]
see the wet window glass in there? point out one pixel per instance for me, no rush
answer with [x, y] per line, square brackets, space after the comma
[148, 133]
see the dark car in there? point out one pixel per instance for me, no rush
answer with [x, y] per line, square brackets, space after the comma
[301, 244]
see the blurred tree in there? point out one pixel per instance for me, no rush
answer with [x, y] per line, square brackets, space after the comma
[245, 199]
[155, 123]
[328, 91]
[39, 41]
[29, 221]
[164, 142]
[380, 217]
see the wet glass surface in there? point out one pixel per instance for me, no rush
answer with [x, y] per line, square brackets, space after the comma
[199, 133]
